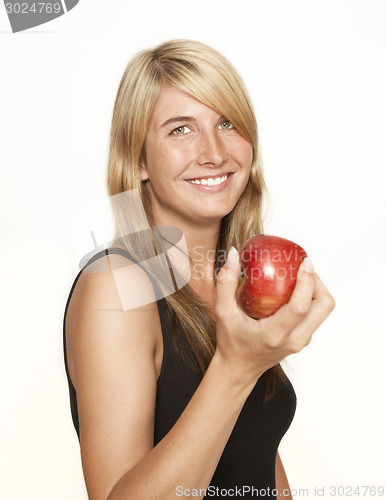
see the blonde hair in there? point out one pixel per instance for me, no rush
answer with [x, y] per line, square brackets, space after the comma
[205, 74]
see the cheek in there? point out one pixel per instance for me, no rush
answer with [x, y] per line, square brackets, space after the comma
[248, 151]
[168, 163]
[244, 154]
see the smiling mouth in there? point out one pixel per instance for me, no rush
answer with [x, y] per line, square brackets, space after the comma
[210, 181]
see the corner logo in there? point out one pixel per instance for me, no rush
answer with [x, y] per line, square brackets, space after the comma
[28, 14]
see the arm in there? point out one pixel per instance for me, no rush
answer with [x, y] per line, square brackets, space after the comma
[112, 352]
[115, 378]
[282, 485]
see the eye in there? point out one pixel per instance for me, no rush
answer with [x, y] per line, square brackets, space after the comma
[226, 124]
[181, 130]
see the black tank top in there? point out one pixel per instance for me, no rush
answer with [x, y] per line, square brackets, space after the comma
[248, 460]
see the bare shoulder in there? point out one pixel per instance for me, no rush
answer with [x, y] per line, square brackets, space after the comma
[118, 295]
[115, 281]
[113, 334]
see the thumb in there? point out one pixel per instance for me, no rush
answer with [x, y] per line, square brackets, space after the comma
[227, 280]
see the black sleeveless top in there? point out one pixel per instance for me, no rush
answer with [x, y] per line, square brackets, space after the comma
[248, 460]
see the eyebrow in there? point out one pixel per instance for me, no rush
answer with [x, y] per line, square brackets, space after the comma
[178, 119]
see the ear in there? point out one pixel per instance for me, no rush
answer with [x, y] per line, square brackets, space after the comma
[143, 171]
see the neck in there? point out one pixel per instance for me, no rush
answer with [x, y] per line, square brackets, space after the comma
[200, 243]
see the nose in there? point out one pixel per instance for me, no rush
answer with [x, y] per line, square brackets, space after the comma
[211, 150]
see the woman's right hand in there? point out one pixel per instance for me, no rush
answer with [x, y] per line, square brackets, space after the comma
[249, 347]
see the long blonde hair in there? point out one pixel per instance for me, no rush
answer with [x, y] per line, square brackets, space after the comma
[205, 74]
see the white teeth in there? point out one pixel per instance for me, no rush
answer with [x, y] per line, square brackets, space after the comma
[210, 181]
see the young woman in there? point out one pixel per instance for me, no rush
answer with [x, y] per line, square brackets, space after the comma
[183, 395]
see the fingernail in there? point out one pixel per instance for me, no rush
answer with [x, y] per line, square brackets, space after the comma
[232, 257]
[307, 265]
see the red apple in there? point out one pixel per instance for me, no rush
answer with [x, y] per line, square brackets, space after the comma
[270, 266]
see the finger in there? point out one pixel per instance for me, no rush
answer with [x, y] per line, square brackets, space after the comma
[321, 306]
[321, 290]
[227, 280]
[320, 309]
[291, 314]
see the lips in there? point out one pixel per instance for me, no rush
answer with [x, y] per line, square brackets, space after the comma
[210, 180]
[211, 184]
[209, 176]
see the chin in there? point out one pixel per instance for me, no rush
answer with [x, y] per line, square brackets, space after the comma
[214, 215]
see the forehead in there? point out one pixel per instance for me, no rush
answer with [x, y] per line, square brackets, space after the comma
[174, 102]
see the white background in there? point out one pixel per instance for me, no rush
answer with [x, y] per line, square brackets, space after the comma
[316, 74]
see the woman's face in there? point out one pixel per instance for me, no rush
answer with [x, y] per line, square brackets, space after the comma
[196, 163]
